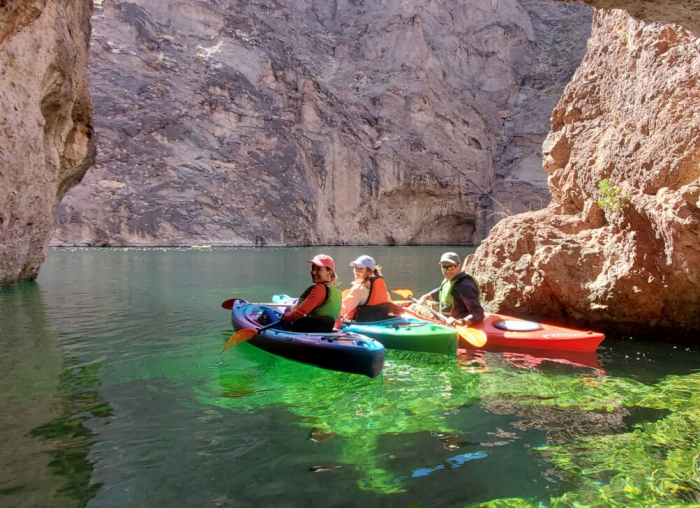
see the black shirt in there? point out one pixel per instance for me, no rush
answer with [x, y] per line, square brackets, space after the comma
[466, 299]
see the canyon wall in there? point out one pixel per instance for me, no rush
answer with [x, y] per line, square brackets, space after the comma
[46, 135]
[322, 122]
[626, 261]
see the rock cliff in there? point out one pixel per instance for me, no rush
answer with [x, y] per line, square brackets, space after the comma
[46, 141]
[319, 122]
[626, 261]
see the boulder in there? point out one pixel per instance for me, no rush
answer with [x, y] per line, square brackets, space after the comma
[624, 260]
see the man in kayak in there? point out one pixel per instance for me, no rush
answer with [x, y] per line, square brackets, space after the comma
[367, 297]
[457, 297]
[318, 307]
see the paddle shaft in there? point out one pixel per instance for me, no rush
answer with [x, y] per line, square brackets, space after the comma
[435, 313]
[258, 330]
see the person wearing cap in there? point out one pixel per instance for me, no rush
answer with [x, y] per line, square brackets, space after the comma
[318, 307]
[368, 296]
[458, 294]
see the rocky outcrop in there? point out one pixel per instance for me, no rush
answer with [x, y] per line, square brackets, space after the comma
[626, 262]
[46, 141]
[319, 122]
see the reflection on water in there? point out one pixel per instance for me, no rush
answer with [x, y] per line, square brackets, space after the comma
[43, 400]
[112, 393]
[68, 438]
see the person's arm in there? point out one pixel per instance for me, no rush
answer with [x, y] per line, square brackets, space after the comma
[470, 297]
[433, 295]
[316, 297]
[358, 293]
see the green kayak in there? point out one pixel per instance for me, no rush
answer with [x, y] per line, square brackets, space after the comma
[408, 334]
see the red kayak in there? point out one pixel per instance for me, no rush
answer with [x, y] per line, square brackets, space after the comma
[507, 333]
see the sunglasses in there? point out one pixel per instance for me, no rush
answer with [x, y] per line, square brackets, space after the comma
[448, 268]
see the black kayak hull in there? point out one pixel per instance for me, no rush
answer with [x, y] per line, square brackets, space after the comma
[340, 351]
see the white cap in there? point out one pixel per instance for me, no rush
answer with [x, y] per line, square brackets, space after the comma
[451, 258]
[364, 262]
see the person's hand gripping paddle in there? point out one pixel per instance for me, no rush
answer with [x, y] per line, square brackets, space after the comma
[473, 336]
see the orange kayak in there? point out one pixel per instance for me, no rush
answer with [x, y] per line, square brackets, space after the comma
[507, 333]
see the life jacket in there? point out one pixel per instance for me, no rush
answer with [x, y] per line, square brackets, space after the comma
[447, 299]
[331, 307]
[376, 308]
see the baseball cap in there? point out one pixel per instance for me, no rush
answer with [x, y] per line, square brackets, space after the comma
[323, 260]
[451, 258]
[364, 262]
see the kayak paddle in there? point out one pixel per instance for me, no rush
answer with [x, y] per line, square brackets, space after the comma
[228, 304]
[476, 338]
[245, 335]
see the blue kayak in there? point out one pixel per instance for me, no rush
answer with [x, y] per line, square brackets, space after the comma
[342, 351]
[406, 333]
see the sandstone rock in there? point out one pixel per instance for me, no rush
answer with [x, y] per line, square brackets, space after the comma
[631, 115]
[350, 122]
[46, 141]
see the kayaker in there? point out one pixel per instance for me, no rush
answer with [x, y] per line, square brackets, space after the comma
[368, 296]
[318, 307]
[457, 297]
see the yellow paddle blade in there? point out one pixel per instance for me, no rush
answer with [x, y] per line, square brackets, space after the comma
[475, 337]
[345, 293]
[403, 293]
[238, 337]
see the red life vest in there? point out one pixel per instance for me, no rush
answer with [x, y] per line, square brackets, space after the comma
[377, 295]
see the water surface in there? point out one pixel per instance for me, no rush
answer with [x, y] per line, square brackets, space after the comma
[112, 393]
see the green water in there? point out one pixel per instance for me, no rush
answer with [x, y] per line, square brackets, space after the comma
[112, 393]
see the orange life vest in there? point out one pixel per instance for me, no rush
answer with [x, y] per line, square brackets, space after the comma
[377, 295]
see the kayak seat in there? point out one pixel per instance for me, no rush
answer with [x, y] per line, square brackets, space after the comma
[518, 326]
[270, 316]
[313, 324]
[366, 313]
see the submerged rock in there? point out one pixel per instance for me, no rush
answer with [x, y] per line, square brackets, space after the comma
[46, 141]
[626, 261]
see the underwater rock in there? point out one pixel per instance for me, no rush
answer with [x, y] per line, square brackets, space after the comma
[323, 469]
[318, 436]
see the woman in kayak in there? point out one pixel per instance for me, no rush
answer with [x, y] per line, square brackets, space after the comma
[318, 307]
[457, 296]
[367, 299]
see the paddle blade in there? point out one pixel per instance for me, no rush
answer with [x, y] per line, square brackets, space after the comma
[238, 337]
[228, 304]
[403, 293]
[345, 293]
[476, 338]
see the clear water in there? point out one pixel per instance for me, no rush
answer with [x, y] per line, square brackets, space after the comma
[112, 393]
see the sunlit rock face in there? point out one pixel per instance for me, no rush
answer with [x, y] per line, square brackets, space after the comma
[319, 122]
[45, 123]
[631, 114]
